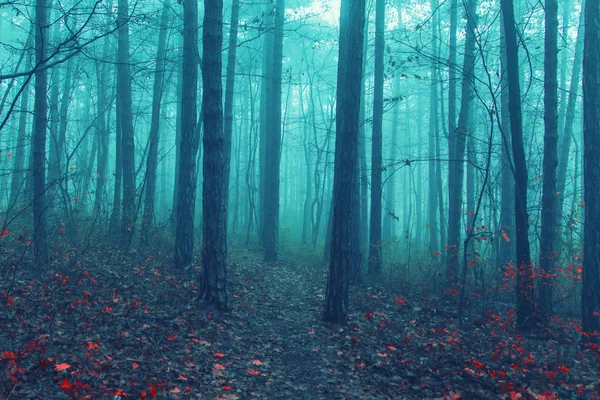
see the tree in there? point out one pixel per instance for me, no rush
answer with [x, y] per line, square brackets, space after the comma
[128, 212]
[349, 77]
[273, 141]
[525, 299]
[217, 148]
[590, 302]
[456, 170]
[157, 92]
[40, 120]
[186, 191]
[548, 254]
[375, 257]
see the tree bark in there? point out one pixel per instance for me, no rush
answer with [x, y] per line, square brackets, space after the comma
[40, 120]
[186, 191]
[525, 292]
[273, 142]
[375, 253]
[157, 92]
[128, 212]
[548, 255]
[456, 170]
[217, 149]
[352, 19]
[590, 301]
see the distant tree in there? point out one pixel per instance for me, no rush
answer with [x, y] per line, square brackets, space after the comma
[525, 299]
[154, 139]
[456, 170]
[548, 256]
[352, 19]
[186, 191]
[217, 148]
[590, 300]
[375, 252]
[40, 120]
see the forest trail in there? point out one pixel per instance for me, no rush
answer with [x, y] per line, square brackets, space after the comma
[87, 329]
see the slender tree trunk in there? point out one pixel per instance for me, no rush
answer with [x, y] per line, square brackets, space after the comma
[20, 154]
[229, 91]
[506, 251]
[102, 133]
[525, 293]
[217, 150]
[273, 145]
[456, 169]
[128, 214]
[590, 301]
[157, 93]
[352, 19]
[40, 119]
[548, 255]
[116, 211]
[186, 192]
[389, 220]
[567, 133]
[375, 258]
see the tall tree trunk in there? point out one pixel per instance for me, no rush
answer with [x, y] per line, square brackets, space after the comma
[548, 254]
[217, 150]
[375, 259]
[456, 168]
[525, 293]
[116, 211]
[590, 301]
[273, 141]
[362, 155]
[128, 213]
[389, 220]
[102, 132]
[506, 251]
[352, 19]
[433, 132]
[19, 155]
[40, 119]
[229, 93]
[157, 92]
[186, 191]
[567, 133]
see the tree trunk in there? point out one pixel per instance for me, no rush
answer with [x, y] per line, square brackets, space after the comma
[375, 258]
[567, 133]
[590, 301]
[352, 19]
[389, 221]
[186, 191]
[273, 142]
[157, 92]
[128, 213]
[525, 293]
[102, 133]
[506, 251]
[40, 120]
[456, 168]
[217, 150]
[20, 154]
[548, 254]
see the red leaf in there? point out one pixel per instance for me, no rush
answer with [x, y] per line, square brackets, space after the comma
[226, 388]
[400, 300]
[369, 314]
[171, 337]
[219, 355]
[135, 365]
[252, 372]
[61, 366]
[257, 362]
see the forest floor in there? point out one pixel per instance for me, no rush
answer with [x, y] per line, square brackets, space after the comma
[108, 327]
